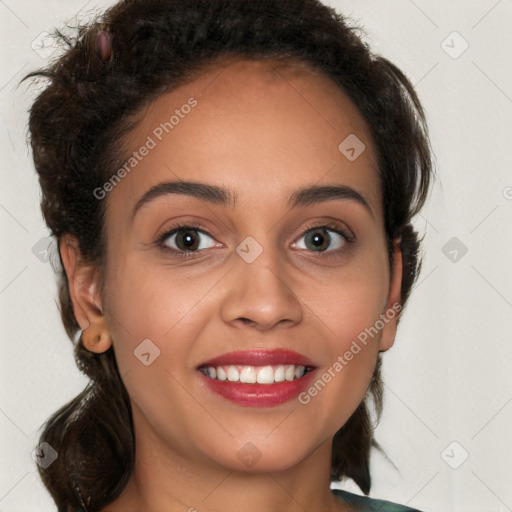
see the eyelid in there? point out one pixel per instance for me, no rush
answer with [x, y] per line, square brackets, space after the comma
[191, 226]
[331, 225]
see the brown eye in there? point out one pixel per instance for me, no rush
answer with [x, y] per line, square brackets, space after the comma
[186, 238]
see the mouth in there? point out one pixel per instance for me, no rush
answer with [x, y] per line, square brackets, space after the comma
[256, 374]
[257, 378]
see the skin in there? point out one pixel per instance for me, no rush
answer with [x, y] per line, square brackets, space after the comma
[261, 131]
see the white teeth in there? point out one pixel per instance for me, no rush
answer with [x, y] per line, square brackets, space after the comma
[279, 373]
[265, 375]
[256, 374]
[248, 375]
[233, 374]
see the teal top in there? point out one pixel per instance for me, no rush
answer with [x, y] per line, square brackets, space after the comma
[361, 503]
[366, 504]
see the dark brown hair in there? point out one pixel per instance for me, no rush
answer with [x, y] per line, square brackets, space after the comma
[95, 90]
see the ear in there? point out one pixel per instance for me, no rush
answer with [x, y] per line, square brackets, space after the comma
[84, 290]
[393, 305]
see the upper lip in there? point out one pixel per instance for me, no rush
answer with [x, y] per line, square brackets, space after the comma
[259, 357]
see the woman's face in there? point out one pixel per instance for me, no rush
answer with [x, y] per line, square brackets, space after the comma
[250, 157]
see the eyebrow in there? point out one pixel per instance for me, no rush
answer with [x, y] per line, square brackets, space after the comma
[224, 197]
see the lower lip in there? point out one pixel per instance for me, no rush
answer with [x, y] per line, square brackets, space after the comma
[258, 395]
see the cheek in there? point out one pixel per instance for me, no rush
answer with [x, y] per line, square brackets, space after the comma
[348, 310]
[350, 301]
[340, 385]
[156, 316]
[167, 307]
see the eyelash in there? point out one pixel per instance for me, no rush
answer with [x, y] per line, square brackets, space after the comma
[348, 238]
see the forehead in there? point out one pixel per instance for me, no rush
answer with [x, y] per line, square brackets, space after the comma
[256, 127]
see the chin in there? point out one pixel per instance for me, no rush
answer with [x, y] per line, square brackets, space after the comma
[260, 457]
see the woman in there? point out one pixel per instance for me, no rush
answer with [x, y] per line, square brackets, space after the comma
[231, 186]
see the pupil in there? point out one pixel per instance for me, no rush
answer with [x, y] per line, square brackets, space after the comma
[187, 239]
[320, 236]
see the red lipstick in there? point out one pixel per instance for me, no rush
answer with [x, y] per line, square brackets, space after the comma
[222, 376]
[259, 357]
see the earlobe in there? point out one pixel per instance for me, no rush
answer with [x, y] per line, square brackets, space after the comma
[84, 290]
[96, 340]
[393, 306]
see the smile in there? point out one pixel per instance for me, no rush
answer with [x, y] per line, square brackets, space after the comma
[256, 374]
[257, 378]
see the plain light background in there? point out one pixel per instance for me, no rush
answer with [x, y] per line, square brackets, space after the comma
[447, 411]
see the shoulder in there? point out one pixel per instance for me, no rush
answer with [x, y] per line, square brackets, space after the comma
[366, 504]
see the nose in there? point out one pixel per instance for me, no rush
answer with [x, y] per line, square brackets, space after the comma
[260, 294]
